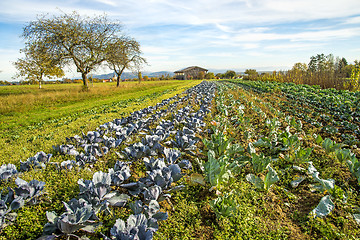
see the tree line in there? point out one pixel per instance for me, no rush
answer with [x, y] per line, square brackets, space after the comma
[72, 40]
[323, 70]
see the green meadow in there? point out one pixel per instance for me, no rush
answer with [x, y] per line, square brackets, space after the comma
[262, 167]
[33, 119]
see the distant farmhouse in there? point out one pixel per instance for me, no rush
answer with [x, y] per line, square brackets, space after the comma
[193, 72]
[111, 79]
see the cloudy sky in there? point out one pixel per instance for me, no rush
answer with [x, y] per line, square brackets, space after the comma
[214, 34]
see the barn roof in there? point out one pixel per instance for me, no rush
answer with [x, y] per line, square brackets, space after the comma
[189, 69]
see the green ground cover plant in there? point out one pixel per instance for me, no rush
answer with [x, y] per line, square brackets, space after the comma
[237, 163]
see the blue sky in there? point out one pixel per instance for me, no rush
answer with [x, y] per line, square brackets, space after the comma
[226, 34]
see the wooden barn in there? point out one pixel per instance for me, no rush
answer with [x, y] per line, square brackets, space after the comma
[193, 72]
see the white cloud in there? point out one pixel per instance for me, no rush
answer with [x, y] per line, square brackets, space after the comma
[156, 51]
[7, 69]
[255, 53]
[25, 11]
[353, 20]
[250, 45]
[292, 46]
[198, 12]
[173, 33]
[219, 54]
[226, 15]
[321, 35]
[108, 2]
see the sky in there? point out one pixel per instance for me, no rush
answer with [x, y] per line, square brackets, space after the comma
[213, 34]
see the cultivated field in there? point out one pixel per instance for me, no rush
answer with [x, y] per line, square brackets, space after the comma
[180, 160]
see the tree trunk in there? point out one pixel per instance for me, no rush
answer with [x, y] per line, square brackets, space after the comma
[118, 80]
[118, 76]
[39, 79]
[85, 81]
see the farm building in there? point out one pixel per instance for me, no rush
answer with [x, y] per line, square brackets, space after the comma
[190, 73]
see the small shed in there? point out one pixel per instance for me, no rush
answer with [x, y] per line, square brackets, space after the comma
[193, 72]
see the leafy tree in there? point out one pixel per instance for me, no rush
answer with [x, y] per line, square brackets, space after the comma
[330, 63]
[139, 77]
[322, 63]
[252, 74]
[67, 80]
[298, 73]
[340, 66]
[201, 75]
[37, 64]
[124, 54]
[4, 82]
[348, 70]
[168, 77]
[317, 63]
[301, 67]
[209, 75]
[73, 39]
[356, 69]
[230, 74]
[219, 75]
[354, 81]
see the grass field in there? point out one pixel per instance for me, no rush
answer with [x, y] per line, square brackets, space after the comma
[32, 119]
[260, 169]
[29, 105]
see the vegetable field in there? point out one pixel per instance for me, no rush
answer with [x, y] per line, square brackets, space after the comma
[219, 160]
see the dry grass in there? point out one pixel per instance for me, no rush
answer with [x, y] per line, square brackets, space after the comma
[24, 98]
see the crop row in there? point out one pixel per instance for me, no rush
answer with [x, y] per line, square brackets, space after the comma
[336, 112]
[253, 141]
[113, 188]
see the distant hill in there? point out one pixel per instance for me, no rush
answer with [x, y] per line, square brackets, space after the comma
[127, 75]
[242, 71]
[158, 74]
